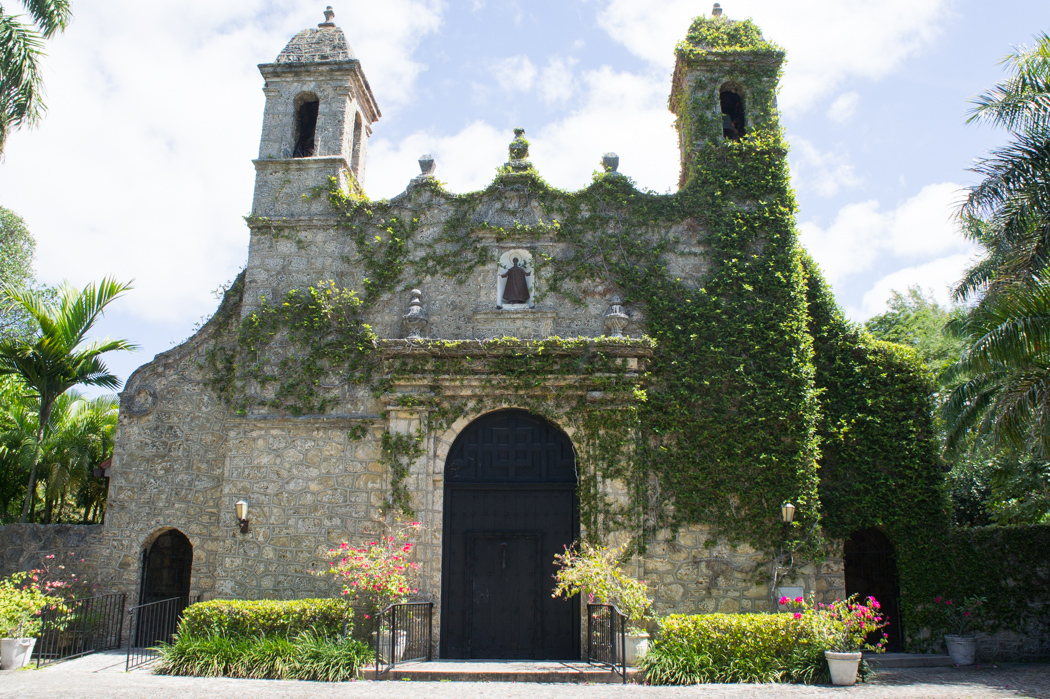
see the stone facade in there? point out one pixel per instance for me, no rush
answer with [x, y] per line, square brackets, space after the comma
[184, 457]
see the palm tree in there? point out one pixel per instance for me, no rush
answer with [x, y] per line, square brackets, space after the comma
[21, 48]
[81, 438]
[56, 357]
[1008, 212]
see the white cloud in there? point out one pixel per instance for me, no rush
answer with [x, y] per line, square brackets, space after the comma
[828, 41]
[142, 167]
[556, 82]
[861, 236]
[937, 276]
[515, 74]
[823, 172]
[843, 108]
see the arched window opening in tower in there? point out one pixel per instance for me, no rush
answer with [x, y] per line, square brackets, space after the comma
[305, 129]
[355, 159]
[733, 124]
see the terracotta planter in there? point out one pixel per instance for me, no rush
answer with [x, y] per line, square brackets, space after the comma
[963, 649]
[843, 667]
[15, 652]
[637, 645]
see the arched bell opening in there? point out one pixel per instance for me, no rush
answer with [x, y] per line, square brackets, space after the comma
[307, 106]
[510, 505]
[734, 122]
[871, 571]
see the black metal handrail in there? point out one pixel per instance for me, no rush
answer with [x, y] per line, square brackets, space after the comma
[79, 627]
[152, 624]
[403, 633]
[607, 638]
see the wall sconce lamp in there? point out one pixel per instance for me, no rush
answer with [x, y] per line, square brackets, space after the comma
[242, 515]
[787, 514]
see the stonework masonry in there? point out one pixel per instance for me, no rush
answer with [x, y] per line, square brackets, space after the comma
[183, 457]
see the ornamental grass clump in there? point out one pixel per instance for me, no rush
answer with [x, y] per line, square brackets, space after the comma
[308, 656]
[597, 571]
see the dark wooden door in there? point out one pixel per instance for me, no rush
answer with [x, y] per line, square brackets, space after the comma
[166, 567]
[871, 571]
[510, 505]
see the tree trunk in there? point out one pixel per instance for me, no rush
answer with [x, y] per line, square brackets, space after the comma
[45, 415]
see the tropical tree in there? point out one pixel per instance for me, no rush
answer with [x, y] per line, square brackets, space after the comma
[21, 48]
[1002, 381]
[57, 357]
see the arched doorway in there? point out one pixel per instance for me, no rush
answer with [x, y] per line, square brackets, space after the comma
[510, 504]
[871, 571]
[166, 566]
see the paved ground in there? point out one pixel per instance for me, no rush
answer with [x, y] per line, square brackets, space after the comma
[100, 677]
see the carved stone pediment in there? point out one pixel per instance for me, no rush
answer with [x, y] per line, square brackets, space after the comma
[526, 324]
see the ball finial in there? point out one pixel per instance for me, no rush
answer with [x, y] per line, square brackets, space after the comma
[716, 11]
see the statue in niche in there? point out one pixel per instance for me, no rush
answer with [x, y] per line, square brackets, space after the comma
[517, 287]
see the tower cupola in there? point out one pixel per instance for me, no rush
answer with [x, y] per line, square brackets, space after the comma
[724, 86]
[317, 120]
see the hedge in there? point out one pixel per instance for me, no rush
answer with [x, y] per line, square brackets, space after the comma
[708, 648]
[233, 618]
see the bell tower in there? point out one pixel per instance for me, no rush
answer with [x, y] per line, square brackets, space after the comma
[318, 117]
[724, 87]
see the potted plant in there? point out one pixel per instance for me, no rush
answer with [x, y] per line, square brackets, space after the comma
[598, 572]
[844, 627]
[22, 598]
[376, 574]
[960, 618]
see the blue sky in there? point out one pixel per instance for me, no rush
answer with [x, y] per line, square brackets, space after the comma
[142, 168]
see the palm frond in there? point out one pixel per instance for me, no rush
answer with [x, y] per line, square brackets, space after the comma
[1023, 100]
[50, 15]
[21, 81]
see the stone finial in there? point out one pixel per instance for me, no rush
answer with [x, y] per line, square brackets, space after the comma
[616, 318]
[611, 161]
[519, 151]
[426, 165]
[716, 11]
[329, 18]
[415, 321]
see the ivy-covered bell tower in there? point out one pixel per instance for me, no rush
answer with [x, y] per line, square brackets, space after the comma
[318, 117]
[724, 85]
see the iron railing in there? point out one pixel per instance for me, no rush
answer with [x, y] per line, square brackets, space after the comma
[153, 624]
[607, 638]
[83, 626]
[403, 634]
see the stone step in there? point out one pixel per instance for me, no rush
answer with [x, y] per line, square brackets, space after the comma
[506, 671]
[878, 660]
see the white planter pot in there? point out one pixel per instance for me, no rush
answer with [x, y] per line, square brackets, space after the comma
[963, 649]
[843, 667]
[15, 652]
[636, 648]
[384, 645]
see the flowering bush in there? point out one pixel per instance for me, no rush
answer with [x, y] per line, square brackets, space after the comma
[959, 616]
[844, 625]
[596, 570]
[377, 573]
[24, 595]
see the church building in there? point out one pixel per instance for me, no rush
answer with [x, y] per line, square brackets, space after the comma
[517, 368]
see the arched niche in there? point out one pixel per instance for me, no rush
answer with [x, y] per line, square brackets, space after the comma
[523, 260]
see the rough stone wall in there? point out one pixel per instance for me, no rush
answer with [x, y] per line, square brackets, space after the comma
[76, 546]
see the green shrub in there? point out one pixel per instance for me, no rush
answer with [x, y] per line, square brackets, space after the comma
[234, 618]
[709, 648]
[309, 656]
